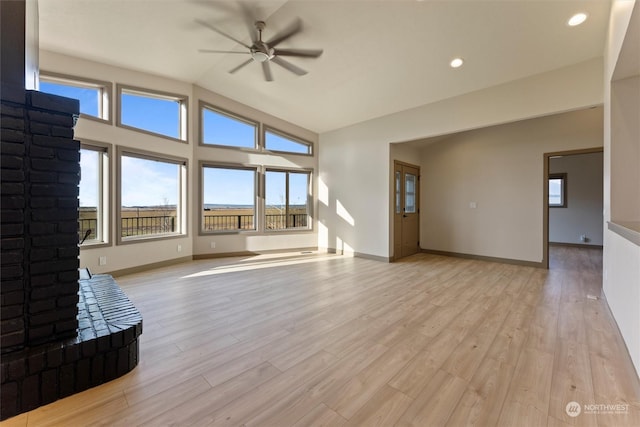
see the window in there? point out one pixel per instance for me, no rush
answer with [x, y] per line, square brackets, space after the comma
[228, 198]
[226, 129]
[93, 222]
[93, 95]
[410, 193]
[155, 112]
[287, 199]
[152, 190]
[276, 141]
[398, 192]
[557, 190]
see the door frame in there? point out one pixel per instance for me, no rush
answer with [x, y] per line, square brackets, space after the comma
[397, 233]
[545, 195]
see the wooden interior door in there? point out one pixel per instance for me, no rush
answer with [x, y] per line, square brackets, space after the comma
[406, 209]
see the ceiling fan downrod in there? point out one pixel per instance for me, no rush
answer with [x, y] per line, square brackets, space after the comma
[260, 51]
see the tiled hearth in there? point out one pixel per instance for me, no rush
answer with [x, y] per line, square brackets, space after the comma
[106, 348]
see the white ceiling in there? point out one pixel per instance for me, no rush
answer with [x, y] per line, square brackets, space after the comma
[379, 57]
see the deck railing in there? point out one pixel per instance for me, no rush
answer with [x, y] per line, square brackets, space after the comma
[146, 225]
[228, 222]
[278, 222]
[135, 226]
[85, 224]
[247, 222]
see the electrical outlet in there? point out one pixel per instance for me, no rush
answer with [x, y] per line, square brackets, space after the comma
[213, 245]
[179, 248]
[102, 260]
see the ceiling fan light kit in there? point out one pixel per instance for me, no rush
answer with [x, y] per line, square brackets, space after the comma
[265, 52]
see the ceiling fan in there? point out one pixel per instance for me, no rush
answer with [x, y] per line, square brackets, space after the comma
[266, 52]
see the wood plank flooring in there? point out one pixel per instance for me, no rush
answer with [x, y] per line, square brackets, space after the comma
[315, 339]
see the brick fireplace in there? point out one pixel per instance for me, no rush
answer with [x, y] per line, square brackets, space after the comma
[59, 335]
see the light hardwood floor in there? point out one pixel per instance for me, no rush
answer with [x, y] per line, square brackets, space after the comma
[310, 339]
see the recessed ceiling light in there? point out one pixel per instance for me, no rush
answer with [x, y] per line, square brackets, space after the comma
[456, 62]
[577, 19]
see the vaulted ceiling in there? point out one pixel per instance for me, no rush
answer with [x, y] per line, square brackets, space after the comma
[379, 57]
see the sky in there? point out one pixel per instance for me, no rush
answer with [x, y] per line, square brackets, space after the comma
[152, 183]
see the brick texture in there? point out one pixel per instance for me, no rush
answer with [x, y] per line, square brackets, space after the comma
[51, 346]
[39, 220]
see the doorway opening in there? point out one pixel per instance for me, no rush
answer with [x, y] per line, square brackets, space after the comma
[406, 209]
[571, 190]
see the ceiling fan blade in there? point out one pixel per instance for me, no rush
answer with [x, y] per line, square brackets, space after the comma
[247, 62]
[266, 69]
[289, 66]
[249, 16]
[291, 30]
[222, 51]
[302, 53]
[222, 33]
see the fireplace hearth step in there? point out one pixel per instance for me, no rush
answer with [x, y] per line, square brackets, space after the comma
[105, 348]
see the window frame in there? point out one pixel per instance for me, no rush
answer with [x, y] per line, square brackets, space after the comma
[105, 104]
[182, 206]
[563, 190]
[256, 197]
[285, 135]
[104, 220]
[310, 213]
[183, 110]
[202, 105]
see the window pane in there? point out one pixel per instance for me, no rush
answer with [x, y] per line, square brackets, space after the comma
[556, 192]
[157, 115]
[398, 183]
[150, 194]
[286, 200]
[275, 200]
[228, 199]
[221, 129]
[298, 200]
[90, 220]
[410, 193]
[89, 97]
[277, 142]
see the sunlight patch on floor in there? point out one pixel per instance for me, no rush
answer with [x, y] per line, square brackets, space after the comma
[265, 261]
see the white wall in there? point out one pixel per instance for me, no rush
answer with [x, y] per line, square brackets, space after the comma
[583, 212]
[625, 153]
[621, 263]
[355, 166]
[501, 170]
[140, 253]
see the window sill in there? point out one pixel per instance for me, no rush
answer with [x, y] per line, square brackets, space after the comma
[151, 238]
[92, 245]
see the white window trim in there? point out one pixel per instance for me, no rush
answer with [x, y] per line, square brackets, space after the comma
[183, 101]
[181, 210]
[106, 92]
[106, 197]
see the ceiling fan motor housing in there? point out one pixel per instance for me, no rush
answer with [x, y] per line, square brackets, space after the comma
[261, 52]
